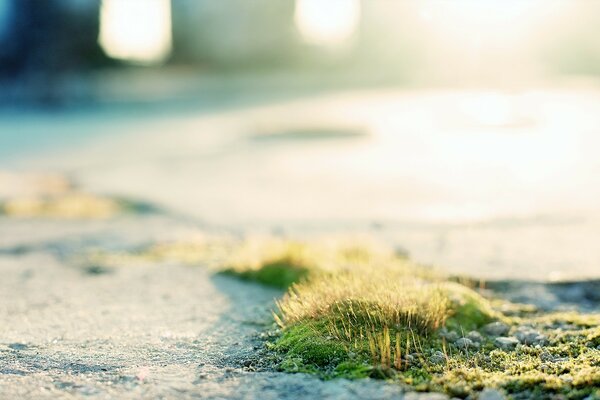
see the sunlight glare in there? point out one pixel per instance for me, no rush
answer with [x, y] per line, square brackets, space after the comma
[504, 20]
[136, 30]
[327, 22]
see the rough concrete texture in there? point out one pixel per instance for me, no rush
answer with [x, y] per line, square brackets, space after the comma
[152, 331]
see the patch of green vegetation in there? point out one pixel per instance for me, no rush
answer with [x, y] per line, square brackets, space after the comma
[281, 263]
[353, 370]
[280, 273]
[382, 317]
[594, 337]
[527, 372]
[309, 348]
[568, 370]
[354, 312]
[273, 263]
[306, 342]
[470, 311]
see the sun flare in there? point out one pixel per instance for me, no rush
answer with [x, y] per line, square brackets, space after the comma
[327, 22]
[486, 19]
[136, 30]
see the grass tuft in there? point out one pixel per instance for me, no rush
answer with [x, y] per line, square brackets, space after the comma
[356, 314]
[355, 311]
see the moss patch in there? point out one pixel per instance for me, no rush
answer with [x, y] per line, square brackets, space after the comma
[387, 318]
[568, 367]
[353, 312]
[305, 345]
[278, 273]
[470, 310]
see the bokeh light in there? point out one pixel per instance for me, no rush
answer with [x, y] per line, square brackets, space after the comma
[136, 30]
[327, 22]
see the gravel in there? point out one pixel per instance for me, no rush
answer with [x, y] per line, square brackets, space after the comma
[437, 358]
[506, 343]
[475, 337]
[490, 394]
[465, 344]
[450, 336]
[529, 336]
[496, 329]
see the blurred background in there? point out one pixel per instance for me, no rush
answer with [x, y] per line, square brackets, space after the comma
[464, 132]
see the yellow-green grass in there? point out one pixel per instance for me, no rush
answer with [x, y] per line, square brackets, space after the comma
[280, 263]
[353, 312]
[357, 311]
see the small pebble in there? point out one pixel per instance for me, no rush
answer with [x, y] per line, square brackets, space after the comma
[437, 358]
[490, 394]
[475, 336]
[450, 336]
[424, 396]
[466, 343]
[530, 336]
[496, 329]
[506, 343]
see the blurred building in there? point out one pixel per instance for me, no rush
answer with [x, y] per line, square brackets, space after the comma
[49, 34]
[43, 42]
[48, 47]
[233, 32]
[63, 34]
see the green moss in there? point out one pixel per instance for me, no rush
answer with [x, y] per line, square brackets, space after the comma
[353, 370]
[469, 310]
[418, 377]
[529, 372]
[593, 337]
[380, 318]
[468, 317]
[310, 343]
[280, 273]
[297, 365]
[568, 367]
